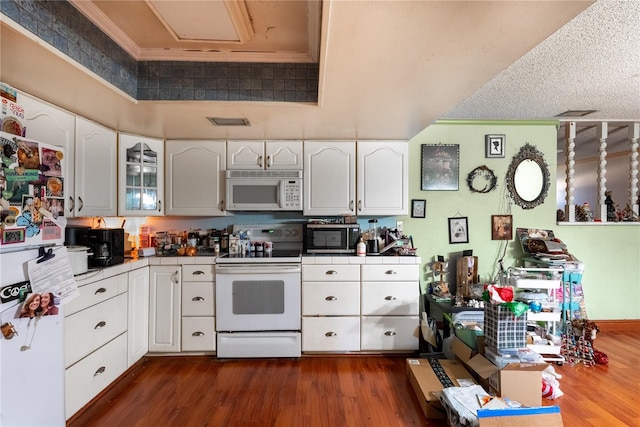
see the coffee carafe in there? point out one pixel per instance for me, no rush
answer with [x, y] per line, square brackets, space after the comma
[373, 242]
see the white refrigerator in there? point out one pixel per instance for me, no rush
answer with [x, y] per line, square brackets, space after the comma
[32, 360]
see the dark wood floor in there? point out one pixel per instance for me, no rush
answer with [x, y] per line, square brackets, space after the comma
[342, 391]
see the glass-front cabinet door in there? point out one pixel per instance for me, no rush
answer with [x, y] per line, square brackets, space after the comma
[141, 177]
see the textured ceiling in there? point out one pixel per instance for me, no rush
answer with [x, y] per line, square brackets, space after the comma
[592, 63]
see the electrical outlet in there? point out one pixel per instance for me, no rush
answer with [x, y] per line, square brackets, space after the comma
[399, 226]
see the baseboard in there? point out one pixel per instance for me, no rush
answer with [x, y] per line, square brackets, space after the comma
[625, 325]
[87, 413]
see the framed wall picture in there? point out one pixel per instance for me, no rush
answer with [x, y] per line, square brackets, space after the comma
[494, 146]
[458, 230]
[501, 227]
[418, 208]
[440, 167]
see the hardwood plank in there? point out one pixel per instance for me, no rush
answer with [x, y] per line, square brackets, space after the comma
[371, 390]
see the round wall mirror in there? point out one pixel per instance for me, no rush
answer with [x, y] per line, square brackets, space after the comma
[528, 178]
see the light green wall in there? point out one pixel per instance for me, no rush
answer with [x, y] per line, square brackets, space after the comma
[611, 253]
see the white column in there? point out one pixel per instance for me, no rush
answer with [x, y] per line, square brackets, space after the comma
[634, 134]
[602, 131]
[570, 145]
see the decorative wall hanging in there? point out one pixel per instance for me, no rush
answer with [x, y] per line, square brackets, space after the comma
[528, 177]
[458, 230]
[481, 180]
[501, 227]
[494, 146]
[418, 208]
[440, 167]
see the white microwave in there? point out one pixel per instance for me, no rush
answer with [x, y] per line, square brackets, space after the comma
[264, 190]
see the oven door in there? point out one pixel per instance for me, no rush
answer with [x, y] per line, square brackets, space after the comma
[258, 297]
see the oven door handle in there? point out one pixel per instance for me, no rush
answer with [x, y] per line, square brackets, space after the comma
[254, 269]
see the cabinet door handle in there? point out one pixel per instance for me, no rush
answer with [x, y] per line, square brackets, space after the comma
[73, 204]
[81, 203]
[260, 161]
[100, 291]
[197, 299]
[389, 333]
[390, 272]
[222, 205]
[390, 298]
[197, 334]
[100, 371]
[159, 205]
[331, 272]
[198, 273]
[351, 205]
[100, 324]
[359, 205]
[174, 278]
[331, 298]
[330, 334]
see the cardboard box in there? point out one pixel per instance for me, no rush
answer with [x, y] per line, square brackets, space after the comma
[12, 117]
[516, 381]
[542, 416]
[427, 385]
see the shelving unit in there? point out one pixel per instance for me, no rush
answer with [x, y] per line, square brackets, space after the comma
[542, 285]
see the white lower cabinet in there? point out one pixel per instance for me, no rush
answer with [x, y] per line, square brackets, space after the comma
[164, 308]
[95, 338]
[88, 377]
[198, 308]
[138, 315]
[389, 333]
[331, 334]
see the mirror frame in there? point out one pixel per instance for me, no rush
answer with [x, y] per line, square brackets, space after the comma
[528, 152]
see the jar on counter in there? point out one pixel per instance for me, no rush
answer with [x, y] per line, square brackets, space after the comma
[192, 238]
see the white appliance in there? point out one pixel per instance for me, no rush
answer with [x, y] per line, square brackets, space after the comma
[264, 190]
[258, 296]
[31, 362]
[32, 193]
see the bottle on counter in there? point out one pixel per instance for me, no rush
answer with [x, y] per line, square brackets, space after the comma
[361, 248]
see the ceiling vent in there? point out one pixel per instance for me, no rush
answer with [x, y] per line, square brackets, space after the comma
[576, 113]
[229, 121]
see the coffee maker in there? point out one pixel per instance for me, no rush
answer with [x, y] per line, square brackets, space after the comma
[107, 246]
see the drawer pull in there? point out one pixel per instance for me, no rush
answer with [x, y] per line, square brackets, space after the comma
[100, 371]
[100, 291]
[390, 272]
[197, 334]
[198, 273]
[330, 334]
[331, 298]
[331, 272]
[390, 298]
[197, 299]
[100, 324]
[389, 333]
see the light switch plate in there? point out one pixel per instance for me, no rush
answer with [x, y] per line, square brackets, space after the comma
[399, 226]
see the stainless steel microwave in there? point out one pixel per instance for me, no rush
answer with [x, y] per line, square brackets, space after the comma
[264, 190]
[331, 238]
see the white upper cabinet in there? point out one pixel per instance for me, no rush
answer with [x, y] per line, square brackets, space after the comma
[96, 169]
[52, 125]
[141, 176]
[258, 155]
[383, 177]
[329, 178]
[195, 178]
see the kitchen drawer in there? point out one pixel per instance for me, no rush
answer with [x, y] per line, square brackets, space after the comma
[389, 333]
[96, 292]
[89, 329]
[330, 334]
[390, 299]
[386, 272]
[330, 299]
[330, 273]
[198, 273]
[198, 299]
[88, 377]
[198, 334]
